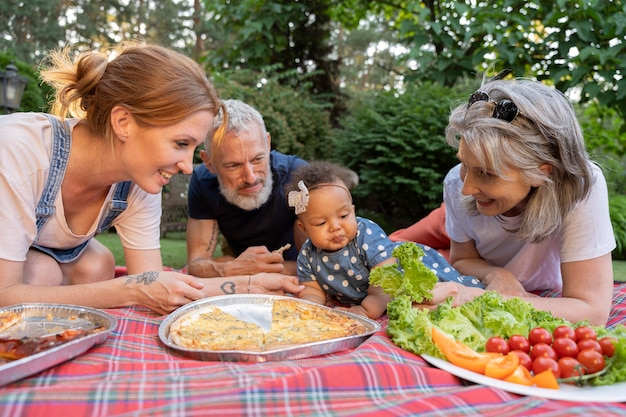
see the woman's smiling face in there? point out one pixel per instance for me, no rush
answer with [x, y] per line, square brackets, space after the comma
[494, 195]
[158, 153]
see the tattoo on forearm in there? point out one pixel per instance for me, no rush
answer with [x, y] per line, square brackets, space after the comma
[146, 278]
[213, 241]
[228, 287]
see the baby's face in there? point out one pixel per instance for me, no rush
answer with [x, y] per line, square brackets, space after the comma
[329, 220]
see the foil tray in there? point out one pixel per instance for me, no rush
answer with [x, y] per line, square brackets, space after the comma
[44, 319]
[258, 309]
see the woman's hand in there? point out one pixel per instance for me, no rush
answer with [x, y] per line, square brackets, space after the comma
[163, 292]
[503, 281]
[444, 290]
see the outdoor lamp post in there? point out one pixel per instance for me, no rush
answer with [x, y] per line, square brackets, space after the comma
[11, 88]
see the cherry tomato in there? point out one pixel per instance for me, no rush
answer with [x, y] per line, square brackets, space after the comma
[565, 347]
[543, 362]
[539, 335]
[519, 342]
[589, 344]
[524, 359]
[564, 331]
[585, 332]
[497, 344]
[542, 350]
[592, 360]
[608, 346]
[570, 367]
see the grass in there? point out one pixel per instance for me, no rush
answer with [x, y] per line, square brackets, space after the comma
[619, 271]
[174, 252]
[173, 248]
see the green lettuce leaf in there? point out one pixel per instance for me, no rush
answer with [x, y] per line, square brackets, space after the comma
[411, 328]
[408, 276]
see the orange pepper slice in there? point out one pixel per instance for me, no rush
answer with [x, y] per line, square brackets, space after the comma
[503, 366]
[545, 379]
[461, 355]
[521, 375]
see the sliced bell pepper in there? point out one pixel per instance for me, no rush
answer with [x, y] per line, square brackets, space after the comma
[460, 354]
[521, 375]
[503, 366]
[545, 379]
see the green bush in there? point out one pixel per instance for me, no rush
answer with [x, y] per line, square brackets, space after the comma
[605, 131]
[297, 123]
[395, 142]
[617, 207]
[35, 92]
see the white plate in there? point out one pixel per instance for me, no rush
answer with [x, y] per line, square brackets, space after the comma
[567, 392]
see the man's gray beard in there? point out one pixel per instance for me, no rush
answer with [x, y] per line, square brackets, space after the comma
[251, 202]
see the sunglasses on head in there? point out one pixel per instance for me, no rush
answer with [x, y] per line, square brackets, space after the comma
[504, 110]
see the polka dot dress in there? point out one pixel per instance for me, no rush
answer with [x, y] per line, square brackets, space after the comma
[344, 274]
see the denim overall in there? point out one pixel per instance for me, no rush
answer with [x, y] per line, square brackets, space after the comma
[61, 144]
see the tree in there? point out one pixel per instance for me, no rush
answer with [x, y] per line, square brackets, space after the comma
[282, 34]
[31, 28]
[571, 43]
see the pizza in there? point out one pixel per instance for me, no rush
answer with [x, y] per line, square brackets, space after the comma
[8, 319]
[293, 323]
[211, 328]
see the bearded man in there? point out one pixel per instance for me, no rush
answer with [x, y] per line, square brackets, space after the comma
[238, 192]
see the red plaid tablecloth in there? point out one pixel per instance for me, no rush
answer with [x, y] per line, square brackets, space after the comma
[133, 374]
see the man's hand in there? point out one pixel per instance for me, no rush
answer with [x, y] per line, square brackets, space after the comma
[254, 260]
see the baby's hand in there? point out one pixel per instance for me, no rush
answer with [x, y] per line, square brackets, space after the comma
[354, 310]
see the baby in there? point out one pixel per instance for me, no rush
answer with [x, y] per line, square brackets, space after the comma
[334, 263]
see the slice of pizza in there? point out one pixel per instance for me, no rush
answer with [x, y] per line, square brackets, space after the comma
[9, 319]
[295, 323]
[213, 329]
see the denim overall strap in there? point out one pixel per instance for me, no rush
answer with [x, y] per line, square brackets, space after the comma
[117, 205]
[61, 144]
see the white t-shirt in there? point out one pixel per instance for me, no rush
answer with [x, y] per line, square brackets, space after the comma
[586, 233]
[25, 149]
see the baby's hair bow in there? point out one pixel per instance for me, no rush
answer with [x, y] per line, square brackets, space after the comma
[299, 199]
